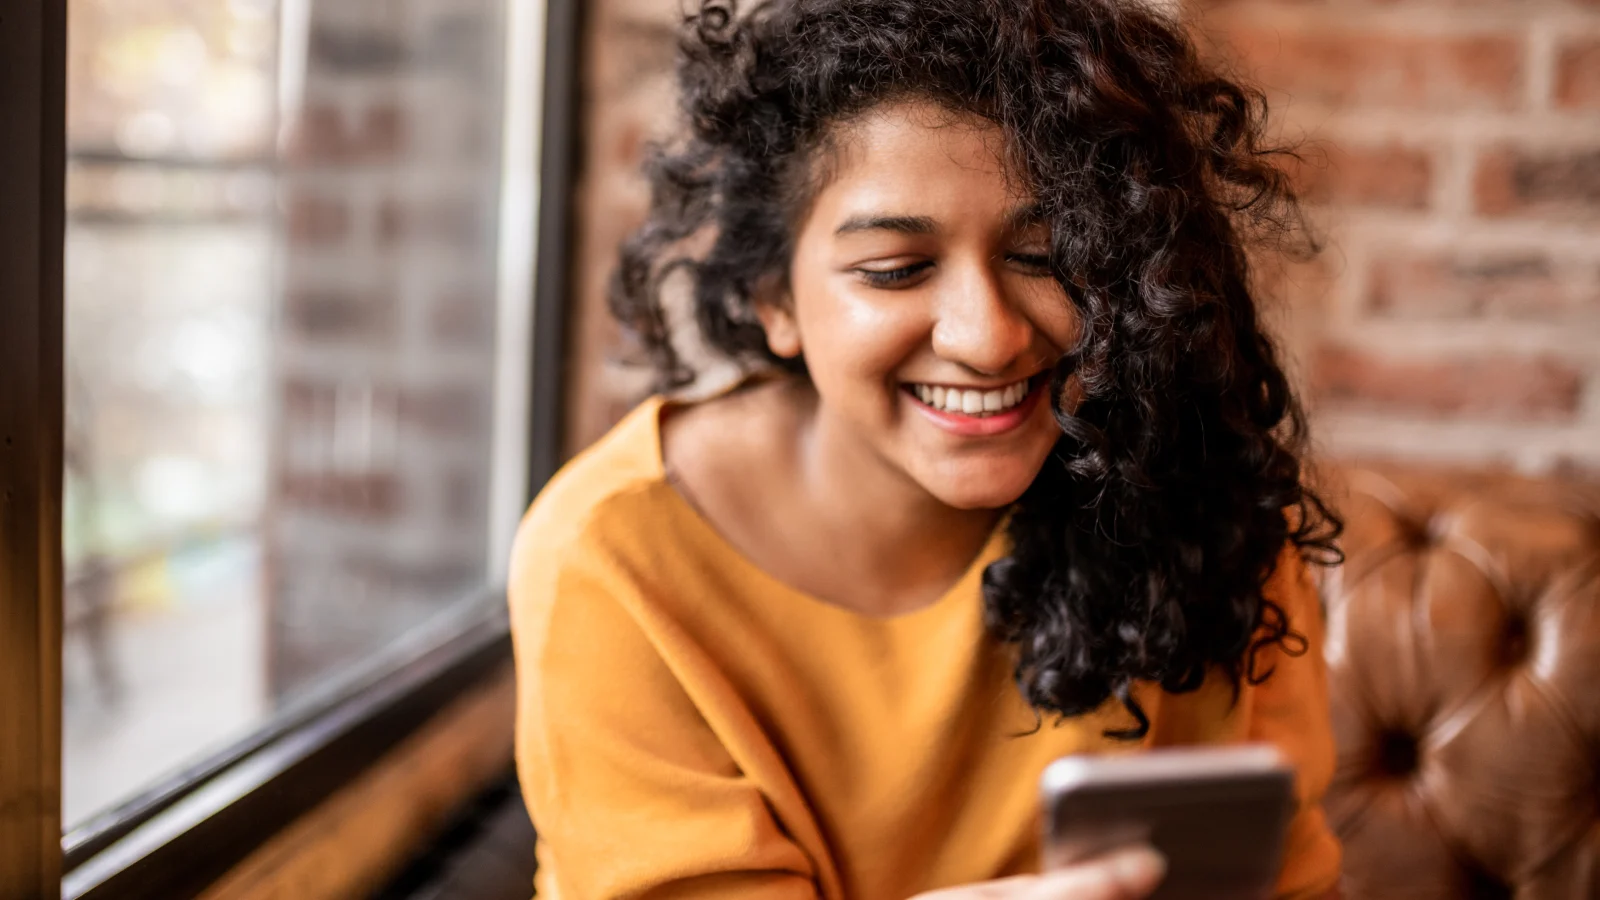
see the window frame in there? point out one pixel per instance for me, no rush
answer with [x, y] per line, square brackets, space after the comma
[182, 833]
[32, 192]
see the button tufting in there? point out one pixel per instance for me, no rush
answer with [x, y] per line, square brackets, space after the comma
[1483, 886]
[1396, 754]
[1424, 531]
[1478, 780]
[1514, 642]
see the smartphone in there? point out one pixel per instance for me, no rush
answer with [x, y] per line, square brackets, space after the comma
[1218, 814]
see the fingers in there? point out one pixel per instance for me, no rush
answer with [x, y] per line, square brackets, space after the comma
[1128, 874]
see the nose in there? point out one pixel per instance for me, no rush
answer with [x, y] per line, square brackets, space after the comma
[977, 326]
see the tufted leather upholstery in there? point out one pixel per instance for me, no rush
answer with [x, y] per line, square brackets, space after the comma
[1464, 657]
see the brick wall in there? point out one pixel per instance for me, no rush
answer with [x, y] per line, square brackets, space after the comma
[628, 98]
[1453, 159]
[383, 351]
[1452, 151]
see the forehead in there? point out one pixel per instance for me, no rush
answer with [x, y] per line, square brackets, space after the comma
[917, 157]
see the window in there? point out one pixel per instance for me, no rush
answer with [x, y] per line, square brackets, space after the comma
[282, 275]
[270, 409]
[265, 446]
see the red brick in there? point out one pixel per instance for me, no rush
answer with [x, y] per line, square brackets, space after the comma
[316, 220]
[463, 318]
[300, 397]
[448, 411]
[367, 495]
[1356, 68]
[466, 496]
[327, 135]
[376, 50]
[457, 222]
[1389, 176]
[1300, 287]
[383, 132]
[1491, 386]
[1516, 181]
[340, 314]
[1578, 75]
[1448, 285]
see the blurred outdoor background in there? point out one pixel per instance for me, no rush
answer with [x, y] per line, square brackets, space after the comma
[281, 272]
[282, 297]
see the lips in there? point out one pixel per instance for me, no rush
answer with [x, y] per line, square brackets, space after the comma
[1014, 404]
[971, 401]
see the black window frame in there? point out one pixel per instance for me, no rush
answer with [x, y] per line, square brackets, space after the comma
[32, 228]
[179, 835]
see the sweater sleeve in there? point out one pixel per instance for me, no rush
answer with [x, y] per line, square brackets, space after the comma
[1290, 709]
[629, 788]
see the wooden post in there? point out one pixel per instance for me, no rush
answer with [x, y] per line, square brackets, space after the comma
[32, 163]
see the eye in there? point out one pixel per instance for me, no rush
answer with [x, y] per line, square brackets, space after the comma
[1036, 264]
[898, 277]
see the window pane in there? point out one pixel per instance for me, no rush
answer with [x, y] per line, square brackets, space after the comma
[281, 283]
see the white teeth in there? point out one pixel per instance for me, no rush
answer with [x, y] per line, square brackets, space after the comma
[970, 402]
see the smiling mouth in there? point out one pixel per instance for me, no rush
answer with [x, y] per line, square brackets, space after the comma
[971, 401]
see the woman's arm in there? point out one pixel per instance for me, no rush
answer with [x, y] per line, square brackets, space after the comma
[629, 789]
[1290, 709]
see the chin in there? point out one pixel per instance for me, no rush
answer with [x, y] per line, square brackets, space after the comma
[986, 491]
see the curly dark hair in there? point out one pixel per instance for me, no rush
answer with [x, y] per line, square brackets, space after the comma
[1141, 550]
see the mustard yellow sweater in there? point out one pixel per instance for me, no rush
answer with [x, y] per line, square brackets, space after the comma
[688, 726]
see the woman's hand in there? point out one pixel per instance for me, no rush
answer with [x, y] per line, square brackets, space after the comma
[1129, 874]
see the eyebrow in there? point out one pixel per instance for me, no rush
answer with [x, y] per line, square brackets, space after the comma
[1018, 219]
[898, 224]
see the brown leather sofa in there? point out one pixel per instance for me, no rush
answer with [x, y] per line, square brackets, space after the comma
[1464, 658]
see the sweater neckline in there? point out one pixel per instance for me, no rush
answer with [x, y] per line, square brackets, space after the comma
[965, 588]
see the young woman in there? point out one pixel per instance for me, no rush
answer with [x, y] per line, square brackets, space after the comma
[1014, 474]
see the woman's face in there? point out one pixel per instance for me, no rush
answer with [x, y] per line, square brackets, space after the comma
[921, 298]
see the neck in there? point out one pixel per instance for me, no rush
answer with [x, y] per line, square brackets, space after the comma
[878, 521]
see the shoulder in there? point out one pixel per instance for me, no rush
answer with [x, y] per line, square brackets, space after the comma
[600, 508]
[1293, 588]
[620, 469]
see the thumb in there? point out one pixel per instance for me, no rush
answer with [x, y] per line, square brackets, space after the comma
[1124, 875]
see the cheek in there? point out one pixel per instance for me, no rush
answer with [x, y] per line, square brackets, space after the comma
[853, 331]
[1051, 311]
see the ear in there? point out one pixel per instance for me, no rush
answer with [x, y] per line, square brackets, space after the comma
[776, 313]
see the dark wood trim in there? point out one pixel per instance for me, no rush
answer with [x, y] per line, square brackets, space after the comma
[104, 830]
[33, 37]
[212, 826]
[352, 842]
[485, 853]
[560, 133]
